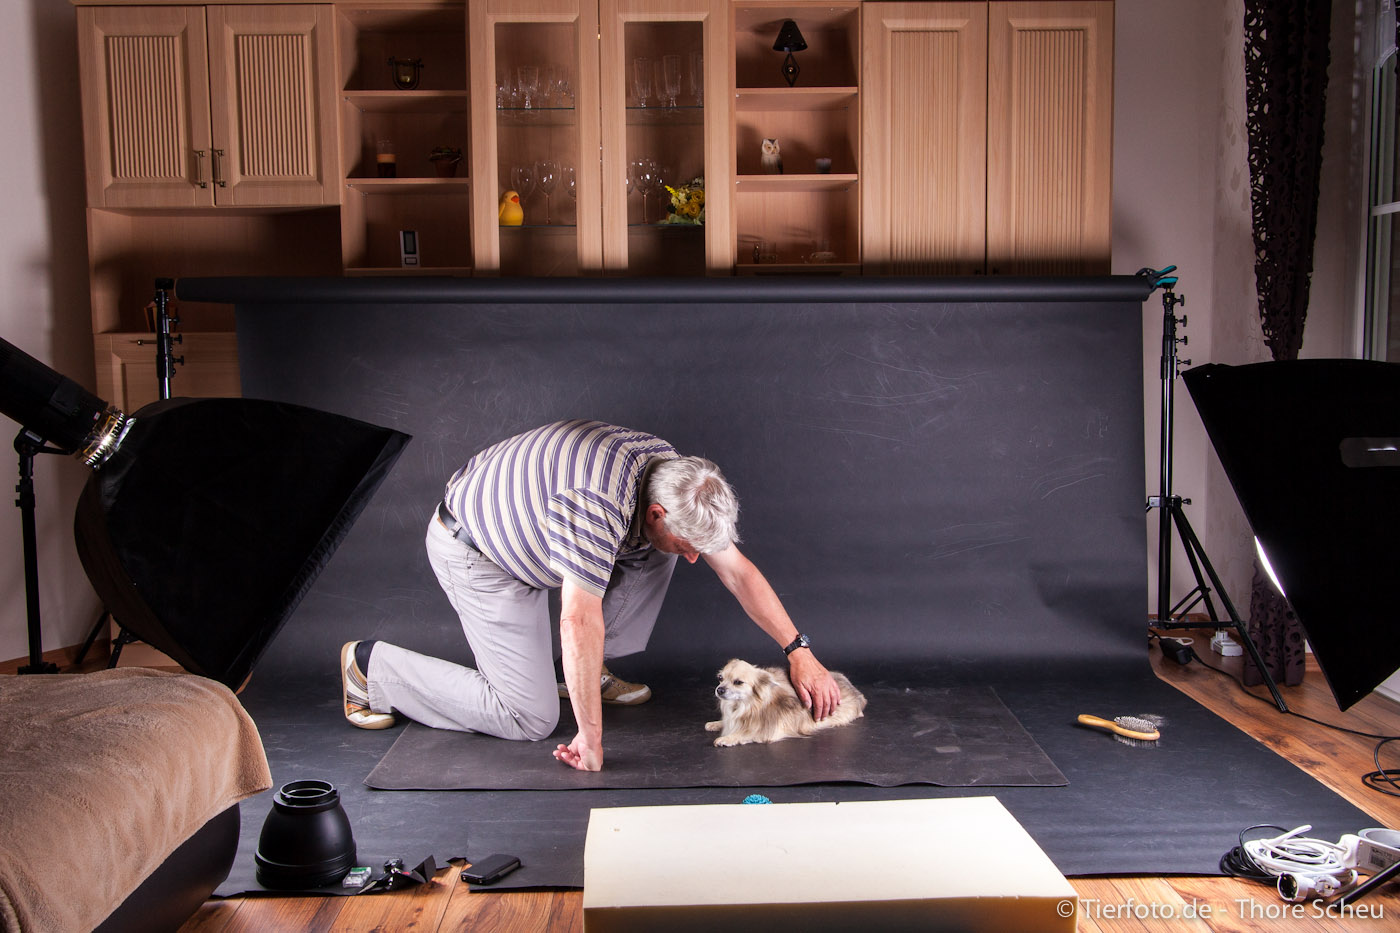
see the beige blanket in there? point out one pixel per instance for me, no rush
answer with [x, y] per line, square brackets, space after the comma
[101, 777]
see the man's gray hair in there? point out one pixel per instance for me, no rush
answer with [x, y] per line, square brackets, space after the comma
[701, 508]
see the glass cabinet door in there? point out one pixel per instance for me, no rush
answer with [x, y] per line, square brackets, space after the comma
[663, 89]
[534, 84]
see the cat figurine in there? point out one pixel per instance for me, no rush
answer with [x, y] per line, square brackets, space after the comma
[772, 159]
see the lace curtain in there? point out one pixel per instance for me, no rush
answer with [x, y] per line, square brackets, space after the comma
[1285, 57]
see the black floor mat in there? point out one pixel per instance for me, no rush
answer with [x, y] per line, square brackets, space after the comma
[950, 736]
[1170, 809]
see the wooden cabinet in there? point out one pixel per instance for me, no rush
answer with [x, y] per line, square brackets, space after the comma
[389, 135]
[587, 110]
[1049, 137]
[534, 79]
[203, 106]
[126, 368]
[664, 73]
[918, 138]
[988, 139]
[806, 218]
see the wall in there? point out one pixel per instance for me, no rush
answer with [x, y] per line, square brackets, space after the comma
[44, 309]
[1181, 196]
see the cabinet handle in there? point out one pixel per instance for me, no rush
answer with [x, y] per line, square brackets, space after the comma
[199, 178]
[219, 168]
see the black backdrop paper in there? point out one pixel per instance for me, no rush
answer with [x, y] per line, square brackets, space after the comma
[942, 478]
[954, 483]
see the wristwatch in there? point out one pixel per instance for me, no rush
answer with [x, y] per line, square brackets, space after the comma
[801, 641]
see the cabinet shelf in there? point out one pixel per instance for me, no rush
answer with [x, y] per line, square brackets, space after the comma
[767, 184]
[537, 116]
[456, 271]
[519, 230]
[409, 185]
[666, 116]
[797, 268]
[757, 99]
[407, 101]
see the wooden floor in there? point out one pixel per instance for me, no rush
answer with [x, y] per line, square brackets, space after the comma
[1107, 905]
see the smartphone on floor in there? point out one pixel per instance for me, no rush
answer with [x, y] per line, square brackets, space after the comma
[490, 869]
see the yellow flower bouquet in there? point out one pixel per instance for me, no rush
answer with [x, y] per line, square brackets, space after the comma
[687, 203]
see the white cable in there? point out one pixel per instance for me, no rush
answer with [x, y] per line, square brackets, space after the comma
[1293, 853]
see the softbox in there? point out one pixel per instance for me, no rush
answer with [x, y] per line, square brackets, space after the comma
[1312, 449]
[212, 519]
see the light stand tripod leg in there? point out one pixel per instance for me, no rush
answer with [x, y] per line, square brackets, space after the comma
[1179, 518]
[1193, 544]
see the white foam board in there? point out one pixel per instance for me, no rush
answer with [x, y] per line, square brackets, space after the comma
[949, 864]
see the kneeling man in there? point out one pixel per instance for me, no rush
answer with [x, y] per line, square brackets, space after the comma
[601, 513]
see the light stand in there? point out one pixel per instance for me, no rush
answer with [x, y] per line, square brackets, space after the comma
[1172, 514]
[165, 371]
[27, 445]
[165, 337]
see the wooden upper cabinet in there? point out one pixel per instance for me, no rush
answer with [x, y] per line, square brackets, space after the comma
[145, 106]
[1050, 137]
[681, 133]
[924, 164]
[987, 142]
[202, 106]
[272, 104]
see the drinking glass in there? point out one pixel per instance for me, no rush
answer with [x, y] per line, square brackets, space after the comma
[659, 174]
[529, 78]
[570, 180]
[696, 82]
[641, 80]
[671, 78]
[644, 177]
[522, 179]
[505, 90]
[547, 177]
[558, 89]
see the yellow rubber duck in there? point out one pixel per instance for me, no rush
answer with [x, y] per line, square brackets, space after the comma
[511, 213]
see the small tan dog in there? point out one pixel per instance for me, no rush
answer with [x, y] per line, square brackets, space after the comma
[758, 704]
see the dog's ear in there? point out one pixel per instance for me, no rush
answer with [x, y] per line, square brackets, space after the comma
[763, 682]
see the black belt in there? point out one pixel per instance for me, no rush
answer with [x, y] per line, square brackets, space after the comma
[454, 527]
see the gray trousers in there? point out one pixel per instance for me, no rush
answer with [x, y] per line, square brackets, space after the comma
[512, 692]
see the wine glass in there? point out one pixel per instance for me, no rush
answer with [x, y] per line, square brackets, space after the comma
[570, 179]
[671, 78]
[644, 177]
[641, 80]
[631, 181]
[558, 88]
[547, 177]
[522, 179]
[529, 78]
[696, 81]
[659, 174]
[505, 90]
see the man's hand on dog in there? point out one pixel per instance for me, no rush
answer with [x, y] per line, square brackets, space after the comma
[814, 684]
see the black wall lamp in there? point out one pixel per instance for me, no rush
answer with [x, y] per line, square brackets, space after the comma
[790, 40]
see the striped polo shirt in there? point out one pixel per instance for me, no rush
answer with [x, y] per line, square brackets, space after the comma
[557, 501]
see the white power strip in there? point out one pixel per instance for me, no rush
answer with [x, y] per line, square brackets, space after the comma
[1225, 646]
